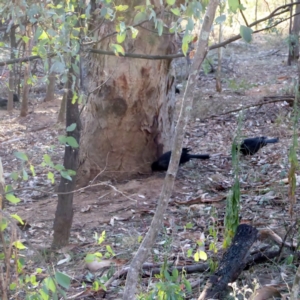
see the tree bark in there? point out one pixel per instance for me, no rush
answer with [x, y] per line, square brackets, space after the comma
[187, 103]
[25, 94]
[11, 80]
[294, 37]
[62, 110]
[2, 186]
[128, 120]
[64, 211]
[50, 86]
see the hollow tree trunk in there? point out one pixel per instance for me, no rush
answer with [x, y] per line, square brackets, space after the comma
[128, 120]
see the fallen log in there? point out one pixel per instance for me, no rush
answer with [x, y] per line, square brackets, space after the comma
[232, 264]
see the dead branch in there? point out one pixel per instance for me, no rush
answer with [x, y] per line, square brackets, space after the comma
[250, 106]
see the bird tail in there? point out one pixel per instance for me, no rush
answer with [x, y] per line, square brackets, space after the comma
[272, 141]
[199, 156]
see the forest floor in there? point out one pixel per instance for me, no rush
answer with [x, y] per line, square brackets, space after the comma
[197, 206]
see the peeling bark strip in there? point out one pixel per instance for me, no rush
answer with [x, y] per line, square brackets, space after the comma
[232, 264]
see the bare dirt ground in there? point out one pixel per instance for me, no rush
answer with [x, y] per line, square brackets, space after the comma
[124, 210]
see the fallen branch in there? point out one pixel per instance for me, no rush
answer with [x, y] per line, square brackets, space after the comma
[249, 106]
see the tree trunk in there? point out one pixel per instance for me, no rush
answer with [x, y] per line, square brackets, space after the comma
[11, 80]
[25, 95]
[64, 211]
[51, 84]
[50, 87]
[294, 38]
[62, 110]
[128, 120]
[2, 186]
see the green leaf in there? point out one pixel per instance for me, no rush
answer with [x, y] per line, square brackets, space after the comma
[71, 127]
[118, 49]
[13, 286]
[134, 32]
[167, 275]
[72, 142]
[8, 188]
[89, 258]
[187, 285]
[196, 256]
[246, 33]
[21, 155]
[43, 36]
[95, 286]
[71, 172]
[189, 252]
[189, 28]
[62, 279]
[185, 48]
[49, 283]
[44, 294]
[47, 160]
[50, 176]
[160, 27]
[3, 224]
[121, 7]
[202, 255]
[233, 5]
[25, 39]
[25, 175]
[18, 218]
[101, 238]
[31, 167]
[38, 32]
[19, 245]
[175, 274]
[59, 167]
[58, 67]
[75, 97]
[122, 27]
[62, 139]
[14, 175]
[12, 198]
[176, 11]
[171, 2]
[141, 8]
[65, 175]
[121, 37]
[189, 225]
[109, 250]
[220, 19]
[140, 17]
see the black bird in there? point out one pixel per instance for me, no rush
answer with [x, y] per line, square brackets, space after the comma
[162, 163]
[252, 145]
[3, 102]
[177, 90]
